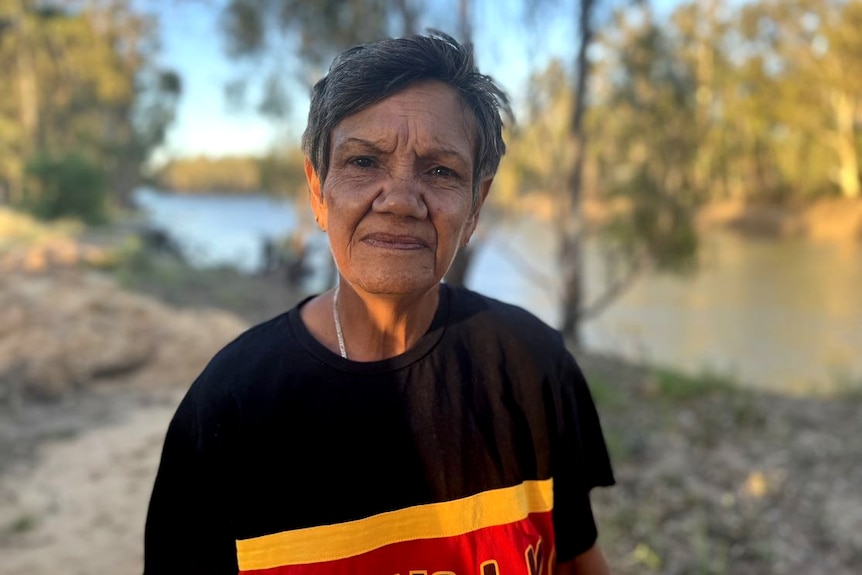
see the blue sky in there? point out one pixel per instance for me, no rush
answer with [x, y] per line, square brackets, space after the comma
[192, 45]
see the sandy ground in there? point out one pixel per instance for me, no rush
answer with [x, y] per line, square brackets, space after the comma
[79, 506]
[90, 375]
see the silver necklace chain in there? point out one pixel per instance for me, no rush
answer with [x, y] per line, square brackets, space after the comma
[337, 319]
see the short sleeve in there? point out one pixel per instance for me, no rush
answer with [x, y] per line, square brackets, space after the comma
[580, 462]
[188, 528]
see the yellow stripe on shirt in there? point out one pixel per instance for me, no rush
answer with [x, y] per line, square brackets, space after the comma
[447, 519]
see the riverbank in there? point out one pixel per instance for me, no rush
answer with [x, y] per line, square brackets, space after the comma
[712, 478]
[832, 220]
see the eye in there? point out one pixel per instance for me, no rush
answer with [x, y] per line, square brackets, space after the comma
[362, 162]
[443, 171]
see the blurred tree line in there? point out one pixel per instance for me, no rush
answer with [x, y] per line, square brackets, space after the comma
[278, 173]
[760, 102]
[82, 104]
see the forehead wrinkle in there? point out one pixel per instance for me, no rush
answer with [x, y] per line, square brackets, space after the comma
[413, 127]
[377, 135]
[434, 143]
[386, 144]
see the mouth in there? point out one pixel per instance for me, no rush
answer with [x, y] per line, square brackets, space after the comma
[395, 241]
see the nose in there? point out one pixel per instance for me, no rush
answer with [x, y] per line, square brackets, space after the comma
[402, 196]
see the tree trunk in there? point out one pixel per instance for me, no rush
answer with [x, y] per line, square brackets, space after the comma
[457, 273]
[570, 224]
[571, 271]
[408, 17]
[28, 110]
[848, 166]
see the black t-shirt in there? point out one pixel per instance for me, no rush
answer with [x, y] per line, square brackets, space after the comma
[474, 449]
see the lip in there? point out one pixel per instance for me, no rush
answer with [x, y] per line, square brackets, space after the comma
[395, 241]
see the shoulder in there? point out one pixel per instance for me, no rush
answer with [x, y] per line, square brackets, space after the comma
[249, 357]
[480, 316]
[479, 312]
[253, 349]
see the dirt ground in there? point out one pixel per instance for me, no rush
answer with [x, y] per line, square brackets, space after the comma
[78, 503]
[710, 480]
[90, 375]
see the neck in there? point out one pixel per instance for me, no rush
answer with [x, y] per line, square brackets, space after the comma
[378, 327]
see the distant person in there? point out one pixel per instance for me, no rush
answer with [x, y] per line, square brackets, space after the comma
[393, 424]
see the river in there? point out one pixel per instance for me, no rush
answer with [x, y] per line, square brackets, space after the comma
[784, 315]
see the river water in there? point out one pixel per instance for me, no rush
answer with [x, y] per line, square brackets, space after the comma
[779, 314]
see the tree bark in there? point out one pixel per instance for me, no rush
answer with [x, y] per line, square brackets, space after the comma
[570, 223]
[848, 160]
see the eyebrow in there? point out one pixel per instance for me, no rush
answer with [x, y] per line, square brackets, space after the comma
[377, 147]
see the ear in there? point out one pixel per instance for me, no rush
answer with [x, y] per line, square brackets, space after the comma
[318, 205]
[473, 220]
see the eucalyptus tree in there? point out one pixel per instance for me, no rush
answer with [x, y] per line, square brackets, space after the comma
[589, 115]
[648, 149]
[628, 112]
[81, 80]
[808, 54]
[570, 222]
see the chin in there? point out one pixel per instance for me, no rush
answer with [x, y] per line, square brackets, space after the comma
[396, 284]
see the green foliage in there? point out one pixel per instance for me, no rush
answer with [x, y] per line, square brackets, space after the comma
[539, 147]
[758, 102]
[65, 186]
[80, 76]
[654, 224]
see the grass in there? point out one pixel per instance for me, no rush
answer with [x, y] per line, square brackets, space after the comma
[652, 400]
[844, 386]
[673, 385]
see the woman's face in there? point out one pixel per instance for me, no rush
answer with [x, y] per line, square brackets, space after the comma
[397, 200]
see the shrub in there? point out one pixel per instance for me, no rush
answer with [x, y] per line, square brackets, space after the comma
[65, 185]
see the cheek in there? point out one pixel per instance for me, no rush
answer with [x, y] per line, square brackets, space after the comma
[341, 207]
[452, 229]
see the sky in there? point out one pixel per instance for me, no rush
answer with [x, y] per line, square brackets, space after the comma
[206, 124]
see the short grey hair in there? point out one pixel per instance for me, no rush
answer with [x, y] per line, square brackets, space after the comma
[364, 75]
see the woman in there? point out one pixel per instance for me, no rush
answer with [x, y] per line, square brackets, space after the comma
[393, 424]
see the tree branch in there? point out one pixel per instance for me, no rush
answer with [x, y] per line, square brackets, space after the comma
[616, 289]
